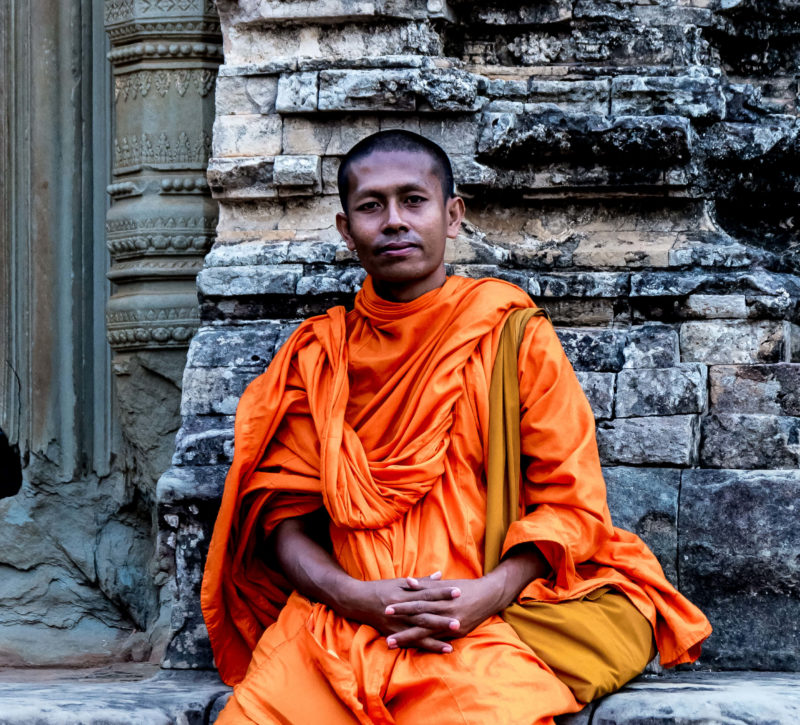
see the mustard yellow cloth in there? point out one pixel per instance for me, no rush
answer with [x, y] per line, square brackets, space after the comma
[594, 644]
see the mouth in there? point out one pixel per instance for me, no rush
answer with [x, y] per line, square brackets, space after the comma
[396, 248]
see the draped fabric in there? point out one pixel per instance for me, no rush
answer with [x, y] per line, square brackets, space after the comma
[380, 415]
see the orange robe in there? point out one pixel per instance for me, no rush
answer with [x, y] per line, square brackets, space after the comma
[380, 415]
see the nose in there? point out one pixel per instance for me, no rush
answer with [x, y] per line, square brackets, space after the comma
[393, 221]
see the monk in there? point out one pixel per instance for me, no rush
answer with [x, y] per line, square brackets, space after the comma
[345, 579]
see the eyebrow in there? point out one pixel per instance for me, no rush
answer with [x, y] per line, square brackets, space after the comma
[405, 188]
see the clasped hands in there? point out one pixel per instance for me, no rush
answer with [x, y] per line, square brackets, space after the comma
[425, 612]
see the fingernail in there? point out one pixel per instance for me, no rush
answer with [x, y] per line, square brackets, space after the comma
[412, 582]
[454, 624]
[436, 575]
[455, 592]
[389, 610]
[447, 649]
[392, 644]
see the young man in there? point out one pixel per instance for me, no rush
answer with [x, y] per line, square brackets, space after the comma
[345, 579]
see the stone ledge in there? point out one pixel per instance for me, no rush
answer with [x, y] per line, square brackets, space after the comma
[94, 697]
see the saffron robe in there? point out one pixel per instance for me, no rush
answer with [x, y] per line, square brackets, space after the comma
[380, 415]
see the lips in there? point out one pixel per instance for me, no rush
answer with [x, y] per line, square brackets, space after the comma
[397, 247]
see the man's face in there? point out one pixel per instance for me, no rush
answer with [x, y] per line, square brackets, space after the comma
[398, 222]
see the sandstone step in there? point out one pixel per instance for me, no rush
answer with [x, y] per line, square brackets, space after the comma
[140, 695]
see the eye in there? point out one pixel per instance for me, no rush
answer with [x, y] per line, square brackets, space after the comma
[367, 206]
[415, 199]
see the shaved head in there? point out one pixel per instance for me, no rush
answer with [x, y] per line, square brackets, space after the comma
[397, 140]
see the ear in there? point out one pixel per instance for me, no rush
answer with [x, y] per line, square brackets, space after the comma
[455, 214]
[343, 227]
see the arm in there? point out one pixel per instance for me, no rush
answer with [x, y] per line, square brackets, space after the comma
[295, 548]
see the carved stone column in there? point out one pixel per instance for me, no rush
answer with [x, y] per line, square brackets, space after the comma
[164, 55]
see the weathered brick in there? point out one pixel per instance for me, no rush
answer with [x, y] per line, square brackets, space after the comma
[583, 284]
[645, 501]
[724, 342]
[252, 135]
[593, 350]
[204, 441]
[651, 345]
[241, 178]
[740, 562]
[320, 137]
[297, 93]
[708, 307]
[681, 95]
[236, 345]
[599, 389]
[661, 391]
[215, 391]
[733, 440]
[767, 389]
[297, 171]
[368, 90]
[251, 280]
[665, 440]
[245, 94]
[624, 249]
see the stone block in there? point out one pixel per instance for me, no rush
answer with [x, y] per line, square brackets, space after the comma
[576, 312]
[456, 135]
[583, 284]
[247, 345]
[593, 350]
[725, 342]
[241, 178]
[661, 391]
[599, 389]
[645, 501]
[740, 562]
[181, 485]
[703, 698]
[668, 440]
[589, 96]
[251, 135]
[204, 441]
[120, 695]
[297, 93]
[668, 284]
[651, 345]
[749, 440]
[712, 251]
[624, 249]
[214, 391]
[303, 136]
[669, 95]
[710, 307]
[275, 279]
[298, 171]
[765, 389]
[245, 94]
[368, 90]
[334, 280]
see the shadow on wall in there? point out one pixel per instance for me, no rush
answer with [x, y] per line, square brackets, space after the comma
[10, 468]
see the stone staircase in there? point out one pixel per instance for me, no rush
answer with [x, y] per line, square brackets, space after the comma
[135, 695]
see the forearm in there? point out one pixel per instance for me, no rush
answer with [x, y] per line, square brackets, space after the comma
[310, 569]
[519, 567]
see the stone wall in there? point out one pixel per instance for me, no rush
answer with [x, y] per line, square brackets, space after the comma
[630, 163]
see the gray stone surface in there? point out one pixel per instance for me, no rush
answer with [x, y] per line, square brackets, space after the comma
[721, 342]
[599, 389]
[108, 697]
[661, 391]
[215, 391]
[734, 440]
[645, 501]
[704, 698]
[297, 171]
[297, 93]
[739, 560]
[668, 440]
[768, 389]
[592, 349]
[651, 346]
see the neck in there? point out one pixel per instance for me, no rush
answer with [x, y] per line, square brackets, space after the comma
[407, 291]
